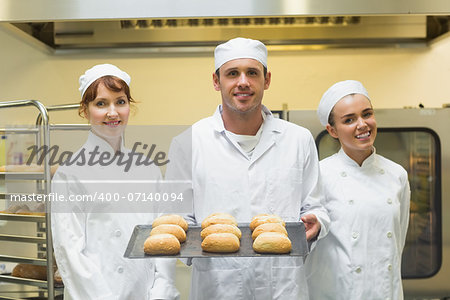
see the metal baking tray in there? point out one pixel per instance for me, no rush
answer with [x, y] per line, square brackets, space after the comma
[192, 246]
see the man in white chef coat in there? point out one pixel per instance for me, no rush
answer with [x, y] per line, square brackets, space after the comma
[246, 162]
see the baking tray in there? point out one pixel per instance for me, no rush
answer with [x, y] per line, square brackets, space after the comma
[192, 246]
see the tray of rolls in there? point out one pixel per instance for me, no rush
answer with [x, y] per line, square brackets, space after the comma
[218, 235]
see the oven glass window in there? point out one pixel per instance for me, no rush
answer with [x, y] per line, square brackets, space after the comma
[418, 151]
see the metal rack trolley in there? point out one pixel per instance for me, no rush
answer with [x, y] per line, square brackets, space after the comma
[43, 179]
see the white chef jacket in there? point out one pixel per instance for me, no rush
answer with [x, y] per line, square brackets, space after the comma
[89, 246]
[280, 177]
[369, 209]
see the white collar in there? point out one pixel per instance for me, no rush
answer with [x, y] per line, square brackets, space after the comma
[350, 162]
[268, 120]
[94, 140]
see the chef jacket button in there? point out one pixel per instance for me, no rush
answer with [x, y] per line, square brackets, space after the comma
[117, 233]
[343, 174]
[389, 267]
[351, 201]
[381, 171]
[389, 234]
[120, 270]
[389, 200]
[355, 235]
[358, 270]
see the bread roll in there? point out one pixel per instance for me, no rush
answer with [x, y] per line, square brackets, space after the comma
[260, 215]
[272, 242]
[171, 219]
[269, 227]
[15, 208]
[221, 228]
[221, 242]
[219, 218]
[23, 209]
[261, 219]
[176, 230]
[30, 271]
[57, 278]
[221, 214]
[162, 244]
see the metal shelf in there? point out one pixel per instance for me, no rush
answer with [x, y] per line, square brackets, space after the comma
[20, 130]
[22, 176]
[8, 195]
[42, 134]
[22, 218]
[22, 238]
[7, 298]
[27, 281]
[24, 260]
[32, 294]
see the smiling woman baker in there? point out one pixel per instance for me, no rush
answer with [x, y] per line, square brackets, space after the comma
[367, 197]
[90, 238]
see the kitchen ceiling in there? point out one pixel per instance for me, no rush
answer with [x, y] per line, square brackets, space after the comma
[181, 26]
[194, 33]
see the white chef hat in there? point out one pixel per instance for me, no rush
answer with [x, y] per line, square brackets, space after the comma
[335, 93]
[240, 48]
[98, 71]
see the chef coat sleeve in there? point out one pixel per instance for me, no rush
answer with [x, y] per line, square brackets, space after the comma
[312, 195]
[164, 285]
[81, 275]
[405, 198]
[178, 177]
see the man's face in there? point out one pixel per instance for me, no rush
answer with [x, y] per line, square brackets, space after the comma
[241, 85]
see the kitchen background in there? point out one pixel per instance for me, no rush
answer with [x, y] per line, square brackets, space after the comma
[177, 88]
